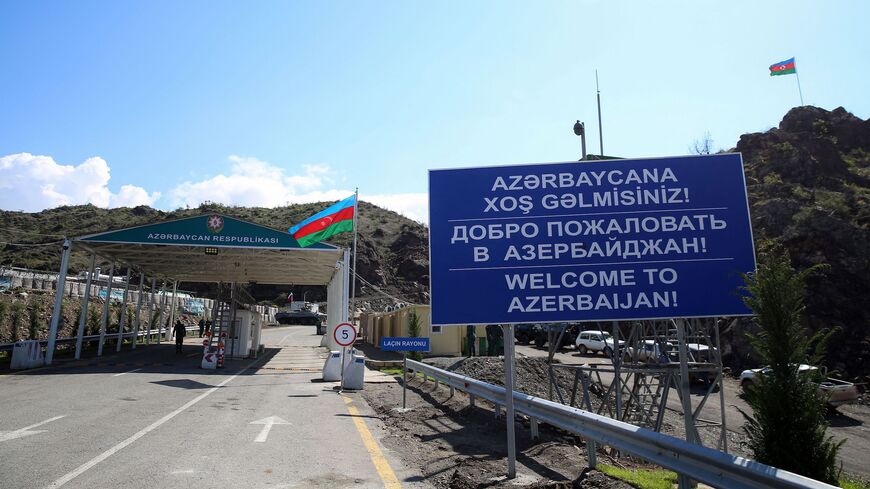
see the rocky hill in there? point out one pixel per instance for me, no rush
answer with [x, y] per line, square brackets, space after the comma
[809, 189]
[393, 250]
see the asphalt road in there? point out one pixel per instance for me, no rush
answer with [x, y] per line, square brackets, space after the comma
[150, 418]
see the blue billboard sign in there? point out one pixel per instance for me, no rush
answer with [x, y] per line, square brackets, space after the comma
[405, 344]
[587, 241]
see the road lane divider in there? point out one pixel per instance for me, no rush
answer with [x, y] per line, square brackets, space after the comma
[139, 434]
[381, 465]
[127, 372]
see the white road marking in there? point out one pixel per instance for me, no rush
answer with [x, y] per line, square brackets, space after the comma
[120, 446]
[27, 430]
[127, 372]
[268, 422]
[281, 343]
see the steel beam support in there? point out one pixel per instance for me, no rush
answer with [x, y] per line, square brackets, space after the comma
[105, 319]
[83, 317]
[122, 321]
[58, 301]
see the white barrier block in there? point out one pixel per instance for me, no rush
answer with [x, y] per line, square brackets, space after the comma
[209, 361]
[332, 367]
[354, 374]
[27, 354]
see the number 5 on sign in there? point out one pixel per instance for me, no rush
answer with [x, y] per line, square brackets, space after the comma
[344, 334]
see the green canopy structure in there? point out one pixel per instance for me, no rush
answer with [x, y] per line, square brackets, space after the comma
[216, 248]
[208, 248]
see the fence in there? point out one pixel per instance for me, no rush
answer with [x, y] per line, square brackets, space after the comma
[690, 461]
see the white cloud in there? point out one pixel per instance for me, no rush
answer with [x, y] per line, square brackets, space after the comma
[253, 182]
[131, 196]
[34, 182]
[411, 205]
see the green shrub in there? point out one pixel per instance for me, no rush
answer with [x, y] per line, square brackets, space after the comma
[33, 320]
[414, 332]
[4, 310]
[17, 320]
[93, 319]
[787, 426]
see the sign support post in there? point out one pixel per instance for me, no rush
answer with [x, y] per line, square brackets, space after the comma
[344, 335]
[509, 399]
[341, 382]
[404, 379]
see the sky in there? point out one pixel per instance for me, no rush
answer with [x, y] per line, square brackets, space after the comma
[171, 104]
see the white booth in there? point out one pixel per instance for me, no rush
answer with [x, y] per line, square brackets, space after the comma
[246, 341]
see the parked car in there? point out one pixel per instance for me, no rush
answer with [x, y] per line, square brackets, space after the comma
[524, 333]
[595, 341]
[652, 351]
[542, 333]
[838, 392]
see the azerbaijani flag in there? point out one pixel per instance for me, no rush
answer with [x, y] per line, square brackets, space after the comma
[337, 218]
[786, 67]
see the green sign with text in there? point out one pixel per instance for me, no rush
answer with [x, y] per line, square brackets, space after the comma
[207, 230]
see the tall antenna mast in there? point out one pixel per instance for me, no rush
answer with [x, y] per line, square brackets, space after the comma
[600, 134]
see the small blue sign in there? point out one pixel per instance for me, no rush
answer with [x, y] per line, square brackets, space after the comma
[589, 241]
[405, 344]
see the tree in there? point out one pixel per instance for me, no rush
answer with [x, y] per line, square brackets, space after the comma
[787, 426]
[414, 332]
[4, 309]
[704, 146]
[33, 317]
[17, 319]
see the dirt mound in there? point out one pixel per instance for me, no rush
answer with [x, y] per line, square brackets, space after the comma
[460, 447]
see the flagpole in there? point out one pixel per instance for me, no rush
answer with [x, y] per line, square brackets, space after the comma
[798, 76]
[353, 276]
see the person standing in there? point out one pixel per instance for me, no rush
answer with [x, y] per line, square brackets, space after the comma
[201, 326]
[493, 334]
[179, 331]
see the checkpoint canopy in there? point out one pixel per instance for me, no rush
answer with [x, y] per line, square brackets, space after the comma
[220, 248]
[216, 248]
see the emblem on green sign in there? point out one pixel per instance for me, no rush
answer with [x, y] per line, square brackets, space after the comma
[215, 224]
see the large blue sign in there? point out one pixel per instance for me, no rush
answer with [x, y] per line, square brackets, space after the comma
[585, 241]
[405, 344]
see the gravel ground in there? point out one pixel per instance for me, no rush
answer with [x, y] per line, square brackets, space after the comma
[459, 447]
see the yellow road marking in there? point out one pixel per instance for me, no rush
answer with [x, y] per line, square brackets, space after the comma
[381, 464]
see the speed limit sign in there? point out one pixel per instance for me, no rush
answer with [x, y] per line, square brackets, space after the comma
[344, 334]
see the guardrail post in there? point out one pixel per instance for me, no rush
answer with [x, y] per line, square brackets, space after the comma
[58, 300]
[471, 400]
[83, 317]
[591, 455]
[533, 422]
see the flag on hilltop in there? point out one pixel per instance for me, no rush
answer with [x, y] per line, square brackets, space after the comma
[337, 218]
[786, 67]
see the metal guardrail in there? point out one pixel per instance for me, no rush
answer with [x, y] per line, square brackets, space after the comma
[696, 462]
[94, 337]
